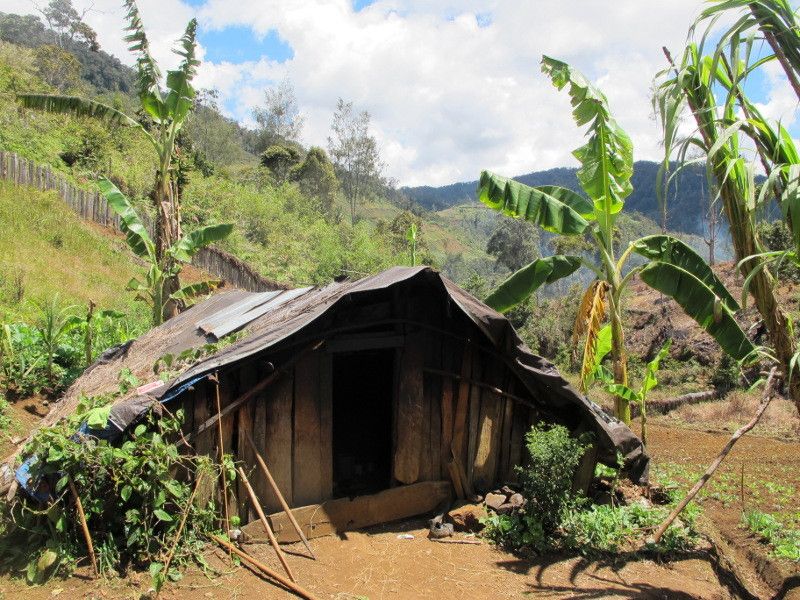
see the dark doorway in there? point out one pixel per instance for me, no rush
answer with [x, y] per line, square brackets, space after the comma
[362, 421]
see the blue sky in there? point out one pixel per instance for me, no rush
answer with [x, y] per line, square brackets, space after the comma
[453, 87]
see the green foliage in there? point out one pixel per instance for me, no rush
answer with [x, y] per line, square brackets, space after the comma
[611, 529]
[130, 494]
[514, 243]
[280, 159]
[776, 237]
[317, 179]
[546, 479]
[785, 542]
[154, 290]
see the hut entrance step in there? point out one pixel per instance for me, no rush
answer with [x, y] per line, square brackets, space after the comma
[362, 421]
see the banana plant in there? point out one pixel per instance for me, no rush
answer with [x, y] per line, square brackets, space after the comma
[168, 110]
[637, 397]
[672, 267]
[154, 289]
[709, 88]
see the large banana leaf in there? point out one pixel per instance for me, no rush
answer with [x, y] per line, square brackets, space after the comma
[528, 279]
[148, 73]
[607, 157]
[699, 302]
[76, 106]
[554, 209]
[671, 250]
[188, 245]
[135, 232]
[188, 51]
[180, 96]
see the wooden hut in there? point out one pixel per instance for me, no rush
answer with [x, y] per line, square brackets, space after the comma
[370, 400]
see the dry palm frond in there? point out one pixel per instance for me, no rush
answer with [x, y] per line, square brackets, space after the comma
[590, 319]
[582, 318]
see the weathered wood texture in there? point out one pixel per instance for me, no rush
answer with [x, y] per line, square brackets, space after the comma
[90, 205]
[276, 424]
[312, 478]
[346, 514]
[410, 412]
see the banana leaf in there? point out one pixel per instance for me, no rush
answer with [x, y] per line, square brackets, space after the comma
[529, 278]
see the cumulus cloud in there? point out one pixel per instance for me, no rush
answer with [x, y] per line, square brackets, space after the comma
[452, 87]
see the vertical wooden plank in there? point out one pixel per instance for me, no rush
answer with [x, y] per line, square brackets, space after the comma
[326, 425]
[410, 413]
[306, 468]
[519, 428]
[490, 422]
[277, 439]
[227, 392]
[204, 443]
[474, 416]
[505, 438]
[248, 377]
[460, 422]
[432, 388]
[259, 435]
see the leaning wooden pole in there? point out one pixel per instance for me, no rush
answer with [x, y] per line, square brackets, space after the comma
[278, 493]
[717, 461]
[182, 524]
[222, 456]
[263, 568]
[86, 535]
[272, 540]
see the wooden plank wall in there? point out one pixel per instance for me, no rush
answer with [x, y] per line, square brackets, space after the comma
[442, 418]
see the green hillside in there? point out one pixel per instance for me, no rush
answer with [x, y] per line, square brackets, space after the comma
[48, 250]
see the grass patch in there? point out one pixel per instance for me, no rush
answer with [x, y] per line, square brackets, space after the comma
[48, 250]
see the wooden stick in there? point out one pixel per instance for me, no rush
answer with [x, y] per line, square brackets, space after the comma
[277, 491]
[180, 528]
[222, 459]
[263, 568]
[270, 535]
[717, 461]
[86, 535]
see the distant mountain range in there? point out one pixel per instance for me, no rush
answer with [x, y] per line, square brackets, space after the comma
[686, 207]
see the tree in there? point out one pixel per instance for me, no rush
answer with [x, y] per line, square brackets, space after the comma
[317, 179]
[694, 84]
[219, 139]
[166, 111]
[605, 172]
[514, 243]
[68, 24]
[355, 154]
[279, 120]
[279, 159]
[155, 290]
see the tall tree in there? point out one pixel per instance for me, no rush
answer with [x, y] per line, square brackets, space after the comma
[68, 24]
[279, 119]
[514, 243]
[317, 179]
[355, 154]
[166, 112]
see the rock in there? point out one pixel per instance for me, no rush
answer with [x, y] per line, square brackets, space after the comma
[440, 530]
[516, 500]
[466, 517]
[507, 491]
[505, 509]
[495, 501]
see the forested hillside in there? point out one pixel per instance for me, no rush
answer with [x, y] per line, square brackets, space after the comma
[687, 203]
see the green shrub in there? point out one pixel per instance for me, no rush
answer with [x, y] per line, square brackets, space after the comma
[134, 495]
[546, 479]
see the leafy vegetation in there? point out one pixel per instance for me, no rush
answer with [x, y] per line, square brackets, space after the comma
[133, 501]
[556, 517]
[785, 542]
[606, 170]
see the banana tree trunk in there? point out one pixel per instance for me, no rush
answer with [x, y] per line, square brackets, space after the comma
[762, 288]
[167, 233]
[619, 360]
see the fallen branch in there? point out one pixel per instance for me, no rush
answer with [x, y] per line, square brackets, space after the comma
[277, 492]
[263, 568]
[86, 535]
[180, 528]
[662, 407]
[717, 461]
[442, 541]
[257, 507]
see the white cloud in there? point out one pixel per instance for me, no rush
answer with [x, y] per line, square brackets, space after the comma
[447, 96]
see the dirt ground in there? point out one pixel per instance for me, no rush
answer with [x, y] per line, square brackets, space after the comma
[375, 564]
